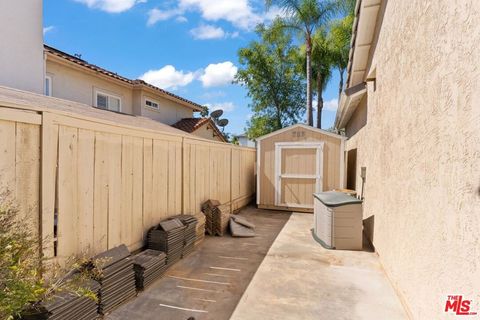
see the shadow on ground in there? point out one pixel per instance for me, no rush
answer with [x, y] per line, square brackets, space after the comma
[209, 283]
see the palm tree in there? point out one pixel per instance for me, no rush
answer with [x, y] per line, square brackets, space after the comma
[322, 66]
[339, 38]
[322, 63]
[306, 16]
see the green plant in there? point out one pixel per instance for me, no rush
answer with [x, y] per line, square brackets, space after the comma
[305, 17]
[268, 72]
[23, 282]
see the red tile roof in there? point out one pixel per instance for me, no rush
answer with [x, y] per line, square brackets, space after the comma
[192, 124]
[114, 75]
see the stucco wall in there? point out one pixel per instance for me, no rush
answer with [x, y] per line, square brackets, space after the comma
[77, 85]
[169, 113]
[21, 41]
[421, 147]
[206, 132]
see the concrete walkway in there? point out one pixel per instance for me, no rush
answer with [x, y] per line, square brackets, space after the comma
[299, 279]
[208, 283]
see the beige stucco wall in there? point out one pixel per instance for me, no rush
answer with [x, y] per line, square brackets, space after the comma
[170, 112]
[21, 41]
[207, 132]
[75, 84]
[421, 147]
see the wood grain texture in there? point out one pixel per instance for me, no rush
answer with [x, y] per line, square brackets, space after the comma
[110, 183]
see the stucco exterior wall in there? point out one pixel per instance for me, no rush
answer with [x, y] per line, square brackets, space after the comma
[207, 132]
[169, 112]
[21, 38]
[74, 84]
[421, 148]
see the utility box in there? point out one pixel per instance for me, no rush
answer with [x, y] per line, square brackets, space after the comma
[338, 220]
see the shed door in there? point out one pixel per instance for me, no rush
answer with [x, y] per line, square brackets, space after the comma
[298, 173]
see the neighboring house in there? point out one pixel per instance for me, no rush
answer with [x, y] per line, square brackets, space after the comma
[202, 127]
[69, 77]
[244, 141]
[21, 38]
[411, 112]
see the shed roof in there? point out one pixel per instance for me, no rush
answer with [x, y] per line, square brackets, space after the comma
[304, 126]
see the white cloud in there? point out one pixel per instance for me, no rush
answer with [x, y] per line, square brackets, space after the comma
[205, 31]
[181, 19]
[168, 77]
[208, 32]
[329, 105]
[237, 12]
[214, 94]
[218, 74]
[240, 13]
[273, 13]
[155, 15]
[47, 29]
[111, 6]
[225, 106]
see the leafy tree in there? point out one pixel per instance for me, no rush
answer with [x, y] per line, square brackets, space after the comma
[205, 112]
[268, 71]
[234, 140]
[305, 16]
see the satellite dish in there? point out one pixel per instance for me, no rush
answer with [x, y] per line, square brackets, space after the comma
[222, 122]
[216, 114]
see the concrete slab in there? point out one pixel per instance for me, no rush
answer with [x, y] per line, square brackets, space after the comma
[299, 279]
[208, 283]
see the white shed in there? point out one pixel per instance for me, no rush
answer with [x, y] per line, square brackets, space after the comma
[295, 162]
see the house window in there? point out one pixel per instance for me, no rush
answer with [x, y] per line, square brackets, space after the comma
[48, 86]
[108, 102]
[151, 104]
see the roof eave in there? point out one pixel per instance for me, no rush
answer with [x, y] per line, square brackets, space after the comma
[331, 134]
[349, 101]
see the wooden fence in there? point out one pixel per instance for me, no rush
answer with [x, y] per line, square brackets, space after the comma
[89, 184]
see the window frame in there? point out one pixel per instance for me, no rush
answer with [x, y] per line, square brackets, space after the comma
[145, 99]
[50, 85]
[108, 95]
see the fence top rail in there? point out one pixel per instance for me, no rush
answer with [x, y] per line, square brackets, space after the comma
[22, 100]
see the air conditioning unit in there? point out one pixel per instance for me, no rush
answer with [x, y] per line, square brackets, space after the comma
[338, 220]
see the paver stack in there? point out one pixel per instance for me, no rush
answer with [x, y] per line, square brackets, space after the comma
[207, 208]
[117, 280]
[190, 222]
[67, 305]
[217, 217]
[221, 216]
[168, 236]
[149, 265]
[200, 228]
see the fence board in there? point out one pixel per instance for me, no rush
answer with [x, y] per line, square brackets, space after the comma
[85, 174]
[110, 184]
[67, 192]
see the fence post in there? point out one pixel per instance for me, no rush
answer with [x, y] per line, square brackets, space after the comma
[48, 162]
[231, 179]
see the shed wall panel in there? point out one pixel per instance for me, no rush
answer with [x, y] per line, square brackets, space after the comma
[297, 161]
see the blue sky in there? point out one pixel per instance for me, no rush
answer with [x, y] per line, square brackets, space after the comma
[188, 47]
